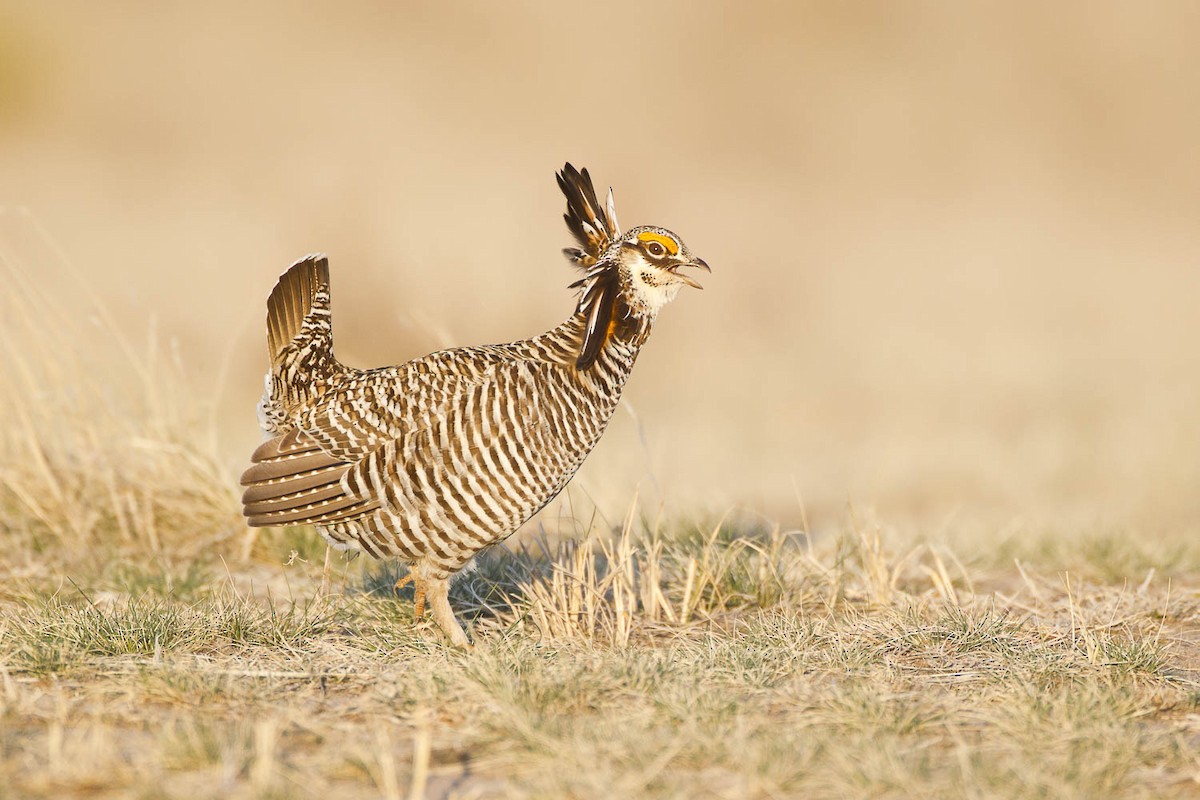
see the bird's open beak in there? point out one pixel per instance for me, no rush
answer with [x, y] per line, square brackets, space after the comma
[699, 263]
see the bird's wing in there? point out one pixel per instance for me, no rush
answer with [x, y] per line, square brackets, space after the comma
[293, 480]
[354, 450]
[472, 460]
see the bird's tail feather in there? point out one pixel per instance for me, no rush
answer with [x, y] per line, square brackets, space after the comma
[300, 297]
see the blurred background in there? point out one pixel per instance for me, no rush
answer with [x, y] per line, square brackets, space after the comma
[955, 247]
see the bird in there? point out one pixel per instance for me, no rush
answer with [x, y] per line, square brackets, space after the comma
[432, 461]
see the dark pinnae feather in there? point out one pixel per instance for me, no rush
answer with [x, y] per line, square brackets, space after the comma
[589, 222]
[599, 304]
[594, 227]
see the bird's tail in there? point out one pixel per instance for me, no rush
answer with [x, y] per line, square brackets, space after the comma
[299, 335]
[299, 304]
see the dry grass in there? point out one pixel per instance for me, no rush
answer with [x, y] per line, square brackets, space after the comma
[751, 667]
[151, 646]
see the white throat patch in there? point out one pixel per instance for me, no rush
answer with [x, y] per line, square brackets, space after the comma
[650, 290]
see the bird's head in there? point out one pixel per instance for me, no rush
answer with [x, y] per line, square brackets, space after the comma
[649, 260]
[638, 270]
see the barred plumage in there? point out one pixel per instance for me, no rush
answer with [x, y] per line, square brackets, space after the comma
[435, 459]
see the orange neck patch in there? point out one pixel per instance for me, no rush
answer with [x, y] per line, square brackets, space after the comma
[665, 241]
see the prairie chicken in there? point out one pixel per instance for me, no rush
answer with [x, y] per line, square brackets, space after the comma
[431, 461]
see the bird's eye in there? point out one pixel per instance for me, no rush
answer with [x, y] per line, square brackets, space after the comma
[656, 249]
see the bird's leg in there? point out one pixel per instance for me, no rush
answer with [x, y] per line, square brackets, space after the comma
[439, 604]
[419, 588]
[418, 592]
